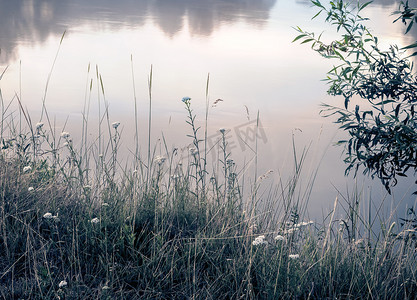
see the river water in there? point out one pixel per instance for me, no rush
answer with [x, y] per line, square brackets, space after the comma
[241, 50]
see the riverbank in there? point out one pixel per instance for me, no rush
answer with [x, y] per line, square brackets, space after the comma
[75, 223]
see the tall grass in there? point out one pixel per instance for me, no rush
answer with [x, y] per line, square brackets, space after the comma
[75, 224]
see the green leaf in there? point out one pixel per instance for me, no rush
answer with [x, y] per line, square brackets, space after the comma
[409, 26]
[299, 37]
[317, 3]
[414, 45]
[364, 5]
[307, 40]
[316, 15]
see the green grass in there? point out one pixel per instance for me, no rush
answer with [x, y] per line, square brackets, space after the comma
[75, 224]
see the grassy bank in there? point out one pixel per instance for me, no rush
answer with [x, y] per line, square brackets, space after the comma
[75, 224]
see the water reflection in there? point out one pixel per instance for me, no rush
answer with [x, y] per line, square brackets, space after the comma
[374, 2]
[33, 21]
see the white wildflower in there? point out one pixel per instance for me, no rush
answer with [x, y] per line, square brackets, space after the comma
[27, 169]
[30, 189]
[95, 221]
[294, 256]
[186, 99]
[159, 160]
[39, 125]
[62, 284]
[104, 204]
[359, 243]
[65, 134]
[279, 238]
[291, 230]
[303, 224]
[106, 287]
[48, 215]
[259, 240]
[115, 125]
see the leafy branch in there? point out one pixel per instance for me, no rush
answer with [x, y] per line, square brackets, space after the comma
[383, 128]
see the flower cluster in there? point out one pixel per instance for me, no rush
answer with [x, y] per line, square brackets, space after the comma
[186, 99]
[50, 216]
[159, 160]
[65, 135]
[95, 221]
[279, 238]
[62, 284]
[39, 126]
[260, 240]
[296, 227]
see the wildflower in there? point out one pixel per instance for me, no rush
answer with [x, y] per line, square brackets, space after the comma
[27, 169]
[104, 204]
[259, 240]
[62, 284]
[48, 215]
[359, 243]
[186, 99]
[291, 230]
[222, 130]
[30, 189]
[106, 287]
[95, 221]
[342, 225]
[135, 171]
[303, 224]
[65, 134]
[279, 238]
[159, 160]
[39, 125]
[115, 125]
[87, 187]
[294, 256]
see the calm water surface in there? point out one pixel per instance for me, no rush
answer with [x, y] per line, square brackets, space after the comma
[244, 45]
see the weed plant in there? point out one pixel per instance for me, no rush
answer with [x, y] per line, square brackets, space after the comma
[75, 224]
